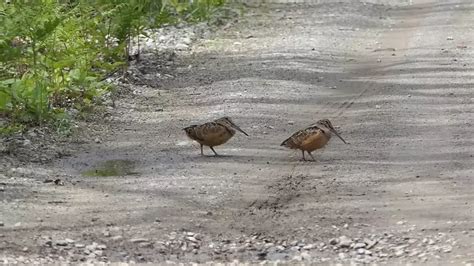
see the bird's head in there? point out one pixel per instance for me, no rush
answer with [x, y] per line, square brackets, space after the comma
[226, 121]
[327, 124]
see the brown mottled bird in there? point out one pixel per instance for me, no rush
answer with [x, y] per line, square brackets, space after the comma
[213, 133]
[312, 138]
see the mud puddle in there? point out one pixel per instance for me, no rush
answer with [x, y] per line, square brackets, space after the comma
[118, 167]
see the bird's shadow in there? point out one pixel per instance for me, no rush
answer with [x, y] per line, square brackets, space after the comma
[215, 156]
[220, 156]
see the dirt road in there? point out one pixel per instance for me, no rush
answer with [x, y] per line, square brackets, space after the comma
[396, 79]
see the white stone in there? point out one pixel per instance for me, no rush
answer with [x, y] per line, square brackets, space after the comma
[344, 242]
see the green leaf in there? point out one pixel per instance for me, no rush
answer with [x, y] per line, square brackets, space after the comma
[7, 82]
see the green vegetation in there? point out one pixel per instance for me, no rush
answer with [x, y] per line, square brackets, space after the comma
[54, 54]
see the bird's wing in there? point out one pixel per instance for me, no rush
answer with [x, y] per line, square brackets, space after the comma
[297, 139]
[210, 131]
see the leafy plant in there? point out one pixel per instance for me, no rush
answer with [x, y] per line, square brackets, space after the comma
[54, 54]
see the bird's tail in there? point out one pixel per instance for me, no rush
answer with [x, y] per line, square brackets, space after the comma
[289, 143]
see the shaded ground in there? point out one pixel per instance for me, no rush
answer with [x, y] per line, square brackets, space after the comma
[396, 80]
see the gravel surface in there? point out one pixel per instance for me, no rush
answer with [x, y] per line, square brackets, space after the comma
[394, 78]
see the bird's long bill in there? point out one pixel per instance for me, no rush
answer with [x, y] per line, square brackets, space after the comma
[337, 134]
[238, 128]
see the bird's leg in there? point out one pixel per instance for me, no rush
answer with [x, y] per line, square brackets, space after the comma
[202, 153]
[304, 159]
[311, 156]
[214, 151]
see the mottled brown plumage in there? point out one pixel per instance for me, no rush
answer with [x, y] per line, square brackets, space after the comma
[312, 138]
[213, 133]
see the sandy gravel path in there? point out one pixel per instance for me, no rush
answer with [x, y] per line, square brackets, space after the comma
[397, 80]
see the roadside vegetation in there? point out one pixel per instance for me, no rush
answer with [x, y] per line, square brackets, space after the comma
[55, 55]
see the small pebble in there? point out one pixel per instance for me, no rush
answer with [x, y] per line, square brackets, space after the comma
[61, 243]
[361, 251]
[305, 256]
[370, 243]
[192, 239]
[344, 242]
[116, 238]
[295, 248]
[447, 249]
[399, 252]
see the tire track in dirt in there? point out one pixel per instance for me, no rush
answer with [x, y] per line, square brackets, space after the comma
[277, 201]
[282, 191]
[414, 22]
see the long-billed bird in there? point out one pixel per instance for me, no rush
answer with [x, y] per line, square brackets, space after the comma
[213, 133]
[312, 138]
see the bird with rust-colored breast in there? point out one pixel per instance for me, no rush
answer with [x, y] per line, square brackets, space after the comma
[213, 133]
[312, 138]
